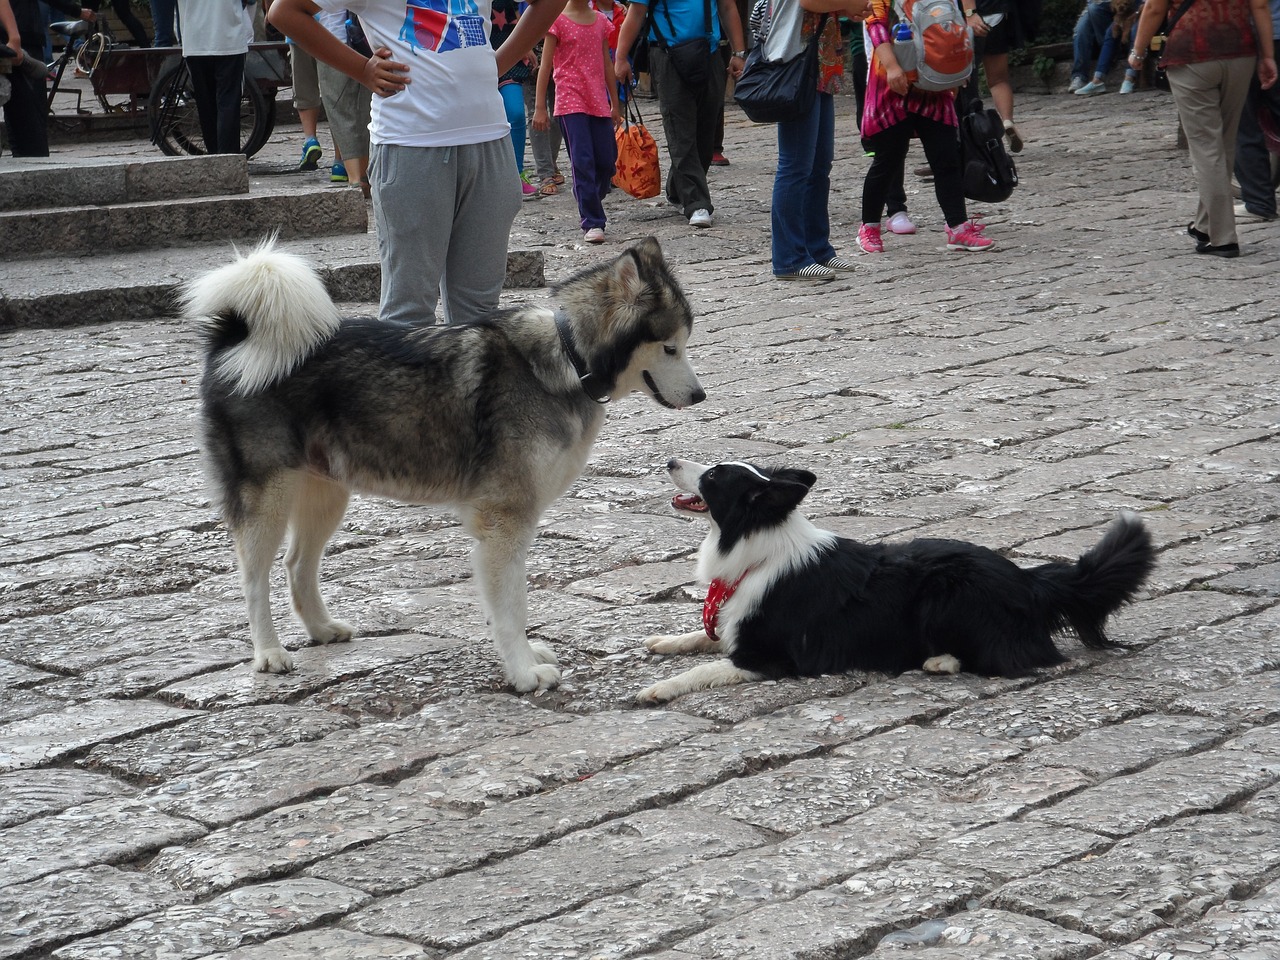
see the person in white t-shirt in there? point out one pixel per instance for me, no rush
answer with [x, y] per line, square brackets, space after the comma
[445, 192]
[215, 43]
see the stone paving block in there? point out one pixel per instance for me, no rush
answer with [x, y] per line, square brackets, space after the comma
[461, 910]
[985, 935]
[28, 794]
[247, 915]
[20, 704]
[112, 831]
[45, 738]
[1235, 930]
[1061, 708]
[818, 791]
[75, 903]
[14, 675]
[843, 920]
[1169, 875]
[199, 743]
[1124, 747]
[1252, 700]
[442, 847]
[1006, 851]
[1173, 788]
[1265, 804]
[250, 785]
[329, 944]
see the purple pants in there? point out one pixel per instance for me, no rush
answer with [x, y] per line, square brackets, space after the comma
[594, 155]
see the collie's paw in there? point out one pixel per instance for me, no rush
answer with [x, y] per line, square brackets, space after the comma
[335, 631]
[544, 654]
[697, 642]
[945, 663]
[544, 676]
[660, 692]
[275, 660]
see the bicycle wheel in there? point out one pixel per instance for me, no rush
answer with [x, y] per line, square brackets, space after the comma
[175, 121]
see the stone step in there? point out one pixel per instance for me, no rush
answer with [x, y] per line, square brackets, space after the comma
[41, 183]
[71, 230]
[142, 284]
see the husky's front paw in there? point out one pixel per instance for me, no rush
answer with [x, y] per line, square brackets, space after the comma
[544, 676]
[660, 692]
[273, 660]
[334, 631]
[544, 654]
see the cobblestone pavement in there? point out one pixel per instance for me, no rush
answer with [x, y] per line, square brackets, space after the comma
[391, 799]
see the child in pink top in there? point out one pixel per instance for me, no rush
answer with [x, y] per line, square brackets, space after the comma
[576, 53]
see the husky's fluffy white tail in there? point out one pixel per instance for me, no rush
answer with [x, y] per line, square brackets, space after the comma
[264, 312]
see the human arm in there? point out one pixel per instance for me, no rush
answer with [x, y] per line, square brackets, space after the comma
[530, 28]
[731, 26]
[296, 20]
[540, 119]
[1261, 13]
[73, 10]
[627, 37]
[877, 24]
[10, 27]
[610, 80]
[1149, 23]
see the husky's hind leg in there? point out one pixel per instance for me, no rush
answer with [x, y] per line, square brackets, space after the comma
[258, 535]
[318, 508]
[498, 559]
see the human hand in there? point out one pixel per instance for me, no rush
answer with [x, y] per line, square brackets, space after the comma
[385, 76]
[87, 14]
[977, 24]
[616, 113]
[736, 64]
[622, 70]
[540, 119]
[898, 81]
[857, 9]
[1267, 72]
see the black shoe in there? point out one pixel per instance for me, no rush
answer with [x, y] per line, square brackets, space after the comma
[1225, 250]
[1199, 235]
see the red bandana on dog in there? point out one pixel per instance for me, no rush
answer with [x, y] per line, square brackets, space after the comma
[719, 592]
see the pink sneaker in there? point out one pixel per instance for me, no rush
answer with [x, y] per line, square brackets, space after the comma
[968, 236]
[869, 238]
[901, 223]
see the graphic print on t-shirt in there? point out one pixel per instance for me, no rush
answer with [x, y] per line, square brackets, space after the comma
[443, 25]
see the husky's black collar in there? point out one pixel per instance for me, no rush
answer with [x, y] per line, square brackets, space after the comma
[591, 384]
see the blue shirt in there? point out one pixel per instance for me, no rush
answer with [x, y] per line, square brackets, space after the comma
[681, 20]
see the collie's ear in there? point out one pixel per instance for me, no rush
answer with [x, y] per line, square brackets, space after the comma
[796, 476]
[781, 495]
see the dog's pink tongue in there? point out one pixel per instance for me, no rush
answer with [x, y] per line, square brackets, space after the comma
[688, 501]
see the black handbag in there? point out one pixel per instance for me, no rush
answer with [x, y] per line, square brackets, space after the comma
[772, 91]
[691, 59]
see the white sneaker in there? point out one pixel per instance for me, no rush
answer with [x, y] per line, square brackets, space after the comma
[1075, 84]
[594, 235]
[700, 218]
[1091, 89]
[900, 223]
[1128, 86]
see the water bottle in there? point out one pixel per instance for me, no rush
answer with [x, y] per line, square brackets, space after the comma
[904, 47]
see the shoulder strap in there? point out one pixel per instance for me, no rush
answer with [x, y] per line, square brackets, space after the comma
[1173, 21]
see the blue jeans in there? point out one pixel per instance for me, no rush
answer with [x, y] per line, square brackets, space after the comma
[513, 103]
[1093, 32]
[802, 186]
[1253, 161]
[163, 13]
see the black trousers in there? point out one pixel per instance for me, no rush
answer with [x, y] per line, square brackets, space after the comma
[218, 83]
[941, 149]
[126, 15]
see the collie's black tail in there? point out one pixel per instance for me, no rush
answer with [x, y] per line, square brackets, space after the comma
[1081, 595]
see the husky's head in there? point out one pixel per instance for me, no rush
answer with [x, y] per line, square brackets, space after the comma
[631, 322]
[741, 499]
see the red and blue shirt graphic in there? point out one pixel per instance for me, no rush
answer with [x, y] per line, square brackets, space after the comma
[443, 25]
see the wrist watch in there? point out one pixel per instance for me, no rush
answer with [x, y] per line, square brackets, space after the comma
[740, 54]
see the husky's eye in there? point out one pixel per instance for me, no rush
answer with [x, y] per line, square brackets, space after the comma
[669, 350]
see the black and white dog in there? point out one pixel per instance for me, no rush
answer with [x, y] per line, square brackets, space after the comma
[787, 599]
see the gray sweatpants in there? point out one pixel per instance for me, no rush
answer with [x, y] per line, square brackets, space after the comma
[444, 218]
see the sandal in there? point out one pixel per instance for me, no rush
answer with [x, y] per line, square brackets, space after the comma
[556, 178]
[549, 188]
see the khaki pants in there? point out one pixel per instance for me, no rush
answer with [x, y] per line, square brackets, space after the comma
[1210, 97]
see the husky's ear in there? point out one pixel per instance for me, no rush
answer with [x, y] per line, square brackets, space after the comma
[629, 269]
[796, 476]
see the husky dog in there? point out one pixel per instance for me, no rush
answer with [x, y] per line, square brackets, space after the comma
[789, 600]
[496, 419]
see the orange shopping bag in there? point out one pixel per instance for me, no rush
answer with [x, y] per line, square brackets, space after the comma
[638, 172]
